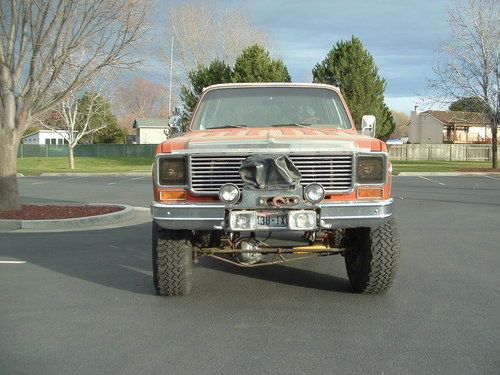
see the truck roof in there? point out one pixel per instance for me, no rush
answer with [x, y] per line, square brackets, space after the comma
[270, 84]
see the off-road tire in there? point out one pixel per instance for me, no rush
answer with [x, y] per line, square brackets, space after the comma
[172, 261]
[372, 257]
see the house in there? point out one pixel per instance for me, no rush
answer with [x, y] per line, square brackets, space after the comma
[46, 137]
[151, 130]
[449, 127]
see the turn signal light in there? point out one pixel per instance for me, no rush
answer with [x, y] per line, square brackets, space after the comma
[366, 193]
[172, 195]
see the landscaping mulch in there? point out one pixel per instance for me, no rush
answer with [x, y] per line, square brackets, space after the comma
[478, 169]
[51, 212]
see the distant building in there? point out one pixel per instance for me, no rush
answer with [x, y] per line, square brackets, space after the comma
[46, 137]
[151, 130]
[449, 127]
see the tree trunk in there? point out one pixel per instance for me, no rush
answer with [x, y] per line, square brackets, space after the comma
[9, 190]
[71, 157]
[494, 130]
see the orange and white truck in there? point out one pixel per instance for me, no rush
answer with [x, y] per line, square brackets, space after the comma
[267, 160]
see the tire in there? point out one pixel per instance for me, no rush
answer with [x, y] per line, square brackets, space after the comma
[372, 257]
[172, 261]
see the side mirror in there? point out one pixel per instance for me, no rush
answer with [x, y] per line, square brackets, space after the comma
[368, 125]
[176, 131]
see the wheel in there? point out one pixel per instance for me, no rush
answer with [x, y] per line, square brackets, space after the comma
[372, 257]
[172, 261]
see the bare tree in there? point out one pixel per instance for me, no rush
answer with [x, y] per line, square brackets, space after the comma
[468, 63]
[237, 33]
[42, 39]
[203, 33]
[75, 120]
[140, 98]
[401, 121]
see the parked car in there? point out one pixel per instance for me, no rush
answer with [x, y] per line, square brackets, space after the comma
[273, 157]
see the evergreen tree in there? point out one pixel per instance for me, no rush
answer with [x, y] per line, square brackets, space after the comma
[100, 115]
[216, 72]
[255, 65]
[469, 104]
[351, 67]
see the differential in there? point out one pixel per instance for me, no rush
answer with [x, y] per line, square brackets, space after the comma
[249, 254]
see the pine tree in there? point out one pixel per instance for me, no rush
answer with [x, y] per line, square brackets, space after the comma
[255, 65]
[351, 67]
[469, 104]
[216, 72]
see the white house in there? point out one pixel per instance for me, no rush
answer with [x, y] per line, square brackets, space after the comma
[46, 137]
[151, 130]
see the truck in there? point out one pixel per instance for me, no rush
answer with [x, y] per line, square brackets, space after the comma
[265, 160]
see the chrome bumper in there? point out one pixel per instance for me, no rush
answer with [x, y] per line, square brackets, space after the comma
[211, 216]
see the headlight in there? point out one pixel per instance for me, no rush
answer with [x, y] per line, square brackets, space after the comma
[314, 193]
[370, 169]
[229, 193]
[243, 220]
[172, 171]
[302, 220]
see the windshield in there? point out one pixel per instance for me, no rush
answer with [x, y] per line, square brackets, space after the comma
[271, 106]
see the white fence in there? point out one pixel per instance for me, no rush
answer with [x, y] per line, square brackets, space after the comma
[451, 152]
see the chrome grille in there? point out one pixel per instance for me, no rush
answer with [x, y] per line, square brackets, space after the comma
[209, 173]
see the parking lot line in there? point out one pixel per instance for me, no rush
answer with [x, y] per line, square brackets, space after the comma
[12, 262]
[493, 178]
[128, 180]
[59, 180]
[431, 180]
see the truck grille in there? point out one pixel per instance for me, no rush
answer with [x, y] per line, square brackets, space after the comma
[209, 173]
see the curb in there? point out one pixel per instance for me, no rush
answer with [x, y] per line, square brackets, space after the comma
[139, 174]
[80, 222]
[450, 174]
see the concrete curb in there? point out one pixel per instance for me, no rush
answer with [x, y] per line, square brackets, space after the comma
[81, 222]
[132, 174]
[448, 174]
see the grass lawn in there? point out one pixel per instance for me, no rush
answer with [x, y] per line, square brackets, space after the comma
[36, 166]
[436, 166]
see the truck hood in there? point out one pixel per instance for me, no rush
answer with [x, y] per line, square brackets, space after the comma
[289, 139]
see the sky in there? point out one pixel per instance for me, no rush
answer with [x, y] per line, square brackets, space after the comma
[401, 35]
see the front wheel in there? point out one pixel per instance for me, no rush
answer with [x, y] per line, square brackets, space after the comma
[172, 261]
[372, 257]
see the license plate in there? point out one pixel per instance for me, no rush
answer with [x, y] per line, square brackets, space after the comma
[268, 220]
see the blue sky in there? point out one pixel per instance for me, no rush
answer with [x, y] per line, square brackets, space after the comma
[401, 35]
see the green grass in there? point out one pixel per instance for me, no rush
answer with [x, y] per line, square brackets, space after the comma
[36, 166]
[436, 166]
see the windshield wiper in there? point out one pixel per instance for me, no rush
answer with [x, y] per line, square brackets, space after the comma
[300, 125]
[228, 126]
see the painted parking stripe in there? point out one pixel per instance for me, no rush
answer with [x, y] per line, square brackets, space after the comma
[128, 180]
[59, 180]
[431, 180]
[12, 262]
[493, 178]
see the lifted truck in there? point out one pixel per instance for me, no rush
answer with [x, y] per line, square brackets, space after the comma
[273, 157]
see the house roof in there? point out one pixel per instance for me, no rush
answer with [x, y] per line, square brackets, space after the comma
[460, 118]
[151, 123]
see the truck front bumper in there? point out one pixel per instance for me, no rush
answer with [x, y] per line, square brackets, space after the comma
[212, 216]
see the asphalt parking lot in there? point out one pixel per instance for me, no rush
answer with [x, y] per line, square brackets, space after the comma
[84, 303]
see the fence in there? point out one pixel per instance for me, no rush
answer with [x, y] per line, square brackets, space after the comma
[98, 151]
[450, 152]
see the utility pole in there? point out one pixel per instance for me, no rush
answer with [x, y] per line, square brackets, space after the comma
[170, 86]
